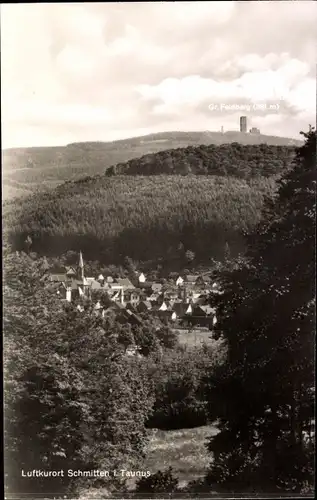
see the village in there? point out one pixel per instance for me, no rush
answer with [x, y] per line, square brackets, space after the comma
[184, 301]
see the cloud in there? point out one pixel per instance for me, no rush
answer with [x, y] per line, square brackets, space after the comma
[76, 72]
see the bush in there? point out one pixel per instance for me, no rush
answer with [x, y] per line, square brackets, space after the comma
[160, 482]
[179, 394]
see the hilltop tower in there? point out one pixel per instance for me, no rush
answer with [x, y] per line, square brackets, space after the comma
[243, 124]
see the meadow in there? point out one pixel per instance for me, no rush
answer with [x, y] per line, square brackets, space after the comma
[184, 450]
[194, 337]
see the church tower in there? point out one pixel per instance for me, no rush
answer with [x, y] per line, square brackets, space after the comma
[81, 266]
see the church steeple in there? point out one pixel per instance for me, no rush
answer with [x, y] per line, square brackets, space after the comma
[81, 266]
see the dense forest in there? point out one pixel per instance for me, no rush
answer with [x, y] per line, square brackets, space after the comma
[152, 218]
[145, 218]
[242, 161]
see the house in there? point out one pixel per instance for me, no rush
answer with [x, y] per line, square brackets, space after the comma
[207, 279]
[58, 275]
[191, 279]
[179, 281]
[195, 296]
[144, 306]
[179, 309]
[132, 296]
[201, 316]
[133, 351]
[131, 307]
[113, 307]
[117, 295]
[68, 295]
[216, 289]
[126, 315]
[70, 271]
[78, 284]
[208, 309]
[164, 306]
[154, 297]
[205, 321]
[195, 280]
[142, 278]
[57, 288]
[112, 310]
[198, 311]
[123, 283]
[170, 293]
[200, 282]
[189, 309]
[156, 287]
[167, 315]
[146, 287]
[200, 299]
[160, 299]
[97, 285]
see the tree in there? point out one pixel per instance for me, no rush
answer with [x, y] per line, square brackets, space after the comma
[167, 337]
[190, 256]
[264, 393]
[146, 340]
[125, 336]
[162, 482]
[176, 380]
[130, 266]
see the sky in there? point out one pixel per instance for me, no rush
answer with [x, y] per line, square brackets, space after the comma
[106, 71]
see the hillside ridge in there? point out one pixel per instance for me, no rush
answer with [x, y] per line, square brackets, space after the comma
[29, 170]
[230, 135]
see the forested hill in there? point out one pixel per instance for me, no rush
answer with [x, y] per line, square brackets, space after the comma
[26, 170]
[147, 218]
[154, 218]
[228, 159]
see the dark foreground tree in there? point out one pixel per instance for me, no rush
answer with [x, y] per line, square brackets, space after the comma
[265, 392]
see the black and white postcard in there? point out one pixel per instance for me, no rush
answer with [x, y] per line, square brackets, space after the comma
[159, 205]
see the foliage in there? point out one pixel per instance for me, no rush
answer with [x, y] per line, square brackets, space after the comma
[125, 336]
[176, 379]
[265, 392]
[237, 160]
[146, 340]
[160, 482]
[190, 256]
[167, 337]
[152, 218]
